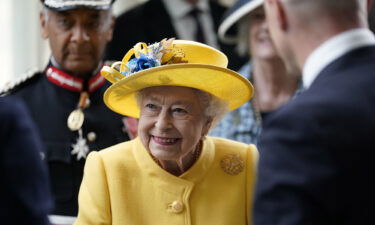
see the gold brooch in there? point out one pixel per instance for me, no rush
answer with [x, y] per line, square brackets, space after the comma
[232, 164]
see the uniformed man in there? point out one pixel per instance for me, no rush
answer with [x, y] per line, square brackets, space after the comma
[65, 99]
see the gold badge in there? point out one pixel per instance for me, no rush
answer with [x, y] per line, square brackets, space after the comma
[232, 164]
[75, 120]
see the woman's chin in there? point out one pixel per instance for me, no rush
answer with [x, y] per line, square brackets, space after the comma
[165, 158]
[163, 154]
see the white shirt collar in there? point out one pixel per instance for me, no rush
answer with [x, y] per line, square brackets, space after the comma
[180, 8]
[333, 49]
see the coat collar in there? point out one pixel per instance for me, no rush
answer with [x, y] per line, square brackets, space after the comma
[73, 83]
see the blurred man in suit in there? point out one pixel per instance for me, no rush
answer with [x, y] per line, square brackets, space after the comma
[155, 20]
[316, 164]
[24, 194]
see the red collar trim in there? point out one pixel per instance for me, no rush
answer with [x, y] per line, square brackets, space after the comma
[73, 83]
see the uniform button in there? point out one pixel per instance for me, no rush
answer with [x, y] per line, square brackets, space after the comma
[177, 207]
[91, 136]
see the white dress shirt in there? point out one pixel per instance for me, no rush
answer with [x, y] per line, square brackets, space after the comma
[185, 25]
[333, 49]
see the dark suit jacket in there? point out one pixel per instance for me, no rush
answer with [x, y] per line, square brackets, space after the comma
[150, 23]
[24, 192]
[316, 165]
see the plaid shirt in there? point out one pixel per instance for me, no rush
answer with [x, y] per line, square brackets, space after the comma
[242, 124]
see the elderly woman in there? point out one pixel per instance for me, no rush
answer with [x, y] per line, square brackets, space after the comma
[171, 173]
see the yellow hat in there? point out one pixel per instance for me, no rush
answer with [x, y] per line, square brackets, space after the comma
[173, 63]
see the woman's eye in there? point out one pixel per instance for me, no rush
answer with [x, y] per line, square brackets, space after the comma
[179, 111]
[150, 106]
[258, 16]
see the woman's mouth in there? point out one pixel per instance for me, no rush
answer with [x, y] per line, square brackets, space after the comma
[164, 140]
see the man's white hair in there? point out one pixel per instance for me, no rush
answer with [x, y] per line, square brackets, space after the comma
[343, 11]
[330, 5]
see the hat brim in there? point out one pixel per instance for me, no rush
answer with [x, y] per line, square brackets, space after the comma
[220, 82]
[233, 17]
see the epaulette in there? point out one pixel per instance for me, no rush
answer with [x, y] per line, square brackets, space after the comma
[11, 86]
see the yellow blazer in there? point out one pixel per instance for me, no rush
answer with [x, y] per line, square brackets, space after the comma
[122, 185]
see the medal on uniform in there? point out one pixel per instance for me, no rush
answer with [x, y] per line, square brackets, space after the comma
[76, 118]
[80, 148]
[75, 122]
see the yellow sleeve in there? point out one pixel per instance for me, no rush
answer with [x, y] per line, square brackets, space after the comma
[93, 198]
[252, 164]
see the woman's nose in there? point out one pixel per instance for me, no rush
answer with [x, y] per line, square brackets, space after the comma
[163, 121]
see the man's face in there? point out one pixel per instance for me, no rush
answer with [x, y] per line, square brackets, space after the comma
[77, 38]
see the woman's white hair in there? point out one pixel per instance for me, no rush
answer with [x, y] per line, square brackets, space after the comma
[214, 108]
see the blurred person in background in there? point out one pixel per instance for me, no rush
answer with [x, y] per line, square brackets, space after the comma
[316, 165]
[24, 193]
[266, 70]
[153, 20]
[66, 99]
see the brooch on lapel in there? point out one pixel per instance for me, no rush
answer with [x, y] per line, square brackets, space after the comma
[232, 164]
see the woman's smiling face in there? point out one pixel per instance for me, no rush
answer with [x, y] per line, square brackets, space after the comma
[172, 121]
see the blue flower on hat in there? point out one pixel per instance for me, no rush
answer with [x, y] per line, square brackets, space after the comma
[144, 62]
[141, 63]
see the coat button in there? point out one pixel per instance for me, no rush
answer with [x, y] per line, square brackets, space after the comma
[177, 207]
[91, 136]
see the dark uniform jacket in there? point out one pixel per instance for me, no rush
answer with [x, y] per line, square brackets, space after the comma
[50, 106]
[150, 23]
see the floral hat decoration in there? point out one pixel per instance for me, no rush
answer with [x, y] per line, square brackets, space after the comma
[173, 62]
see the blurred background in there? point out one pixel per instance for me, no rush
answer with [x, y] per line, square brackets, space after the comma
[21, 47]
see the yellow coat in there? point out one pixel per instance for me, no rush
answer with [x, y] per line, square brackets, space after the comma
[122, 185]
